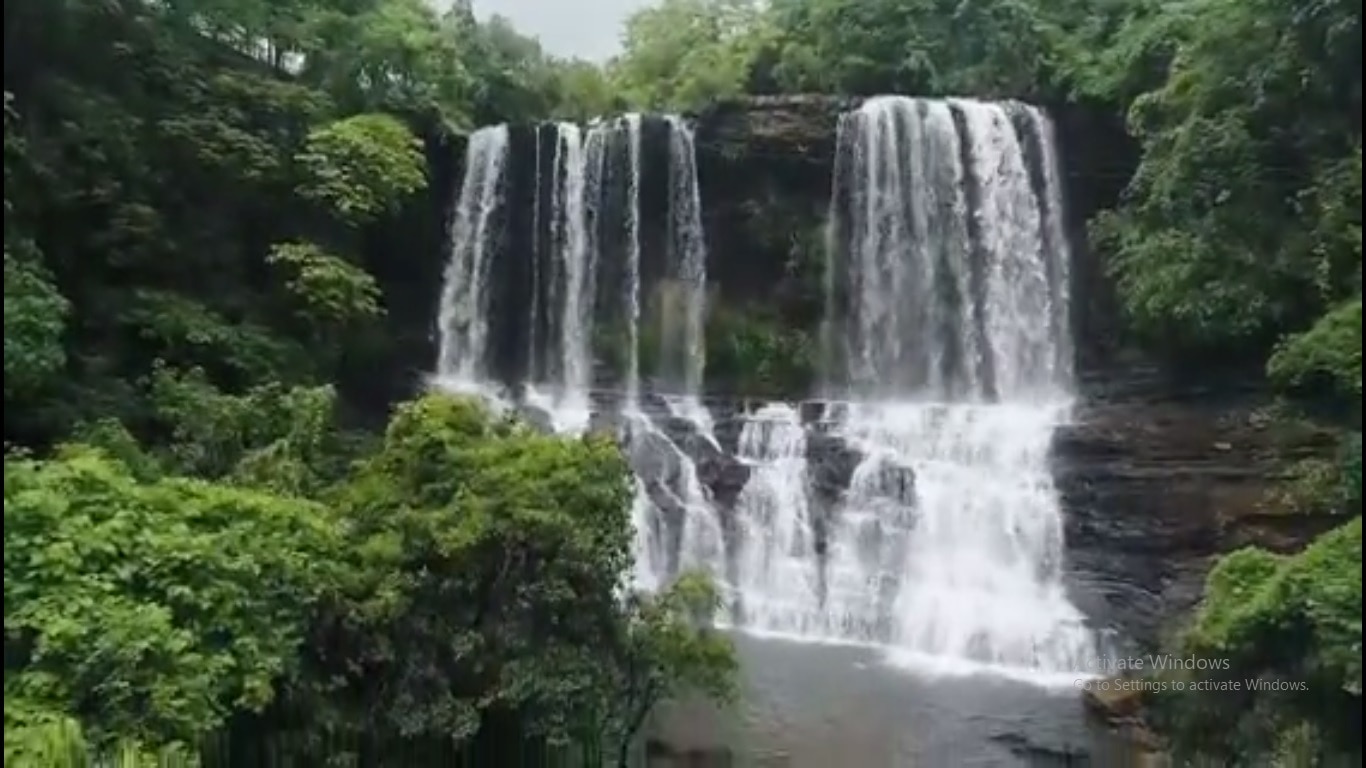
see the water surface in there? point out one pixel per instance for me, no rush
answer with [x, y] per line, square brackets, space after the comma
[830, 706]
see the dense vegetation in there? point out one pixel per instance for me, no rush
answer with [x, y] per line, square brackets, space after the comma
[207, 548]
[213, 220]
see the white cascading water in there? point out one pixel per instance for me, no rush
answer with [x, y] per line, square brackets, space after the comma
[700, 538]
[632, 214]
[677, 526]
[954, 336]
[463, 312]
[776, 576]
[575, 189]
[688, 268]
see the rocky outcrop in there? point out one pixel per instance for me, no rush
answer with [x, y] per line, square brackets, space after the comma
[763, 159]
[1155, 481]
[723, 475]
[1119, 703]
[832, 462]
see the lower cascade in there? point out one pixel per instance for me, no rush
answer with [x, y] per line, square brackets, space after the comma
[912, 507]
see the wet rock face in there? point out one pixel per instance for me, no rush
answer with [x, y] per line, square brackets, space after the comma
[723, 475]
[1155, 483]
[832, 461]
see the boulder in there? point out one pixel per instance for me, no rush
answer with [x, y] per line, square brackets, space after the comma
[831, 463]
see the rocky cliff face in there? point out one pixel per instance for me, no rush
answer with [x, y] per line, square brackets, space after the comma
[1156, 478]
[764, 168]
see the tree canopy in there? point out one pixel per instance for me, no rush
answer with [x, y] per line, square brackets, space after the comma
[215, 211]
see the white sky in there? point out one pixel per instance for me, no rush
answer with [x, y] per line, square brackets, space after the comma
[589, 29]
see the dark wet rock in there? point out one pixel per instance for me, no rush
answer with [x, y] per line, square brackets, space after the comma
[823, 413]
[831, 463]
[538, 418]
[1155, 483]
[811, 410]
[679, 429]
[727, 432]
[655, 406]
[890, 480]
[1040, 755]
[606, 422]
[660, 754]
[724, 408]
[1120, 704]
[718, 470]
[721, 473]
[654, 457]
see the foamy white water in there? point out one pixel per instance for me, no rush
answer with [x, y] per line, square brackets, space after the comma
[777, 573]
[682, 342]
[982, 578]
[950, 317]
[463, 314]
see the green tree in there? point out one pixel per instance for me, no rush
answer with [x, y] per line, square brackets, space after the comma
[667, 650]
[1239, 222]
[1293, 620]
[139, 606]
[683, 53]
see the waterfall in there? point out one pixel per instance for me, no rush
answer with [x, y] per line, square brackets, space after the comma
[632, 282]
[464, 308]
[948, 312]
[777, 573]
[548, 261]
[575, 194]
[683, 354]
[947, 359]
[676, 496]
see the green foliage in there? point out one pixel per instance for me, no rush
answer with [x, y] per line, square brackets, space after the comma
[585, 92]
[35, 318]
[753, 353]
[329, 290]
[1295, 619]
[35, 312]
[1323, 485]
[362, 166]
[141, 606]
[162, 609]
[385, 55]
[669, 651]
[1330, 351]
[38, 739]
[925, 47]
[1242, 219]
[196, 192]
[684, 53]
[200, 182]
[489, 538]
[283, 432]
